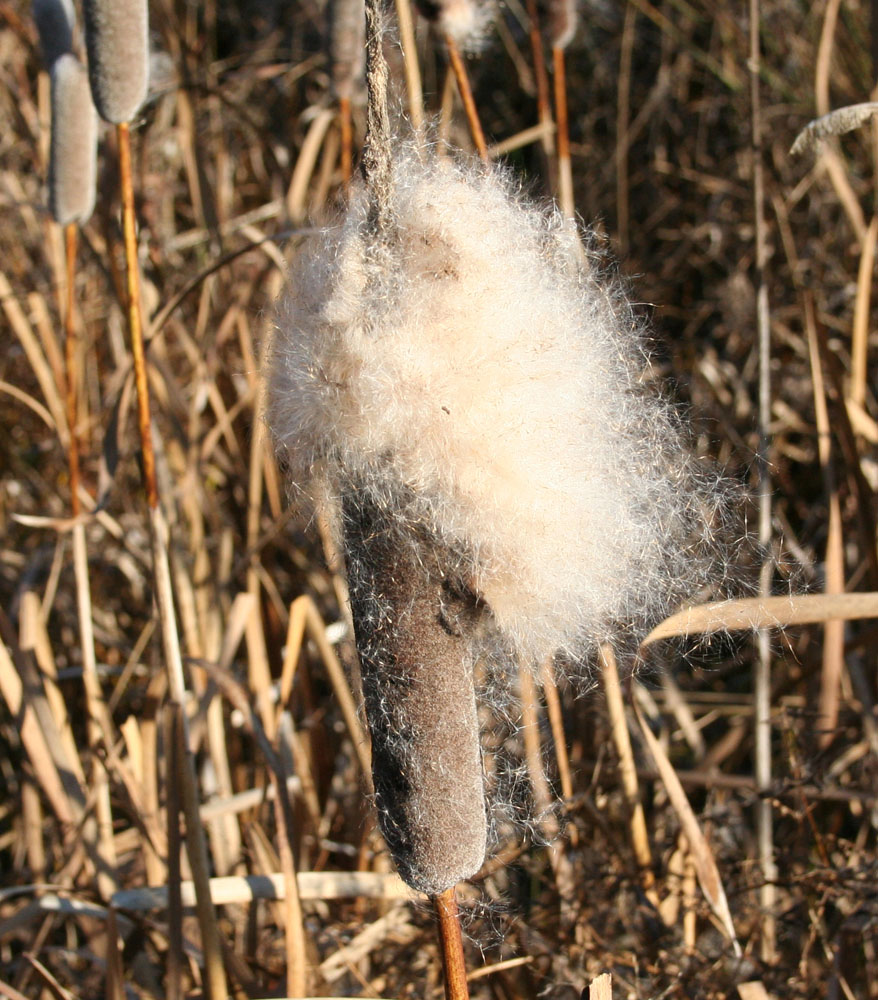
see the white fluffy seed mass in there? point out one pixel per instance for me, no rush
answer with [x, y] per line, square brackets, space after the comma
[481, 382]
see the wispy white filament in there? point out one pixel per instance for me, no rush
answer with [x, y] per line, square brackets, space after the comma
[480, 383]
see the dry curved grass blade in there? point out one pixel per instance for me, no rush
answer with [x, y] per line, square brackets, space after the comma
[764, 612]
[837, 122]
[705, 864]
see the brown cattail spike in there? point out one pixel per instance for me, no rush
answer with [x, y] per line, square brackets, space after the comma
[116, 36]
[563, 21]
[55, 20]
[73, 152]
[416, 660]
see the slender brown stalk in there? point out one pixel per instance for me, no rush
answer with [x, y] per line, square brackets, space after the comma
[451, 940]
[544, 107]
[565, 168]
[347, 138]
[466, 95]
[762, 678]
[159, 537]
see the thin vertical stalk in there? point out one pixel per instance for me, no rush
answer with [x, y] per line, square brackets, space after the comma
[544, 107]
[466, 96]
[762, 677]
[98, 721]
[565, 168]
[347, 138]
[159, 538]
[451, 940]
[410, 63]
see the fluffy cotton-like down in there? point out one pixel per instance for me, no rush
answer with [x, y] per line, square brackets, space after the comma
[477, 380]
[465, 21]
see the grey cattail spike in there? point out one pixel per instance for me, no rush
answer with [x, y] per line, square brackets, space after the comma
[73, 151]
[416, 660]
[347, 46]
[117, 39]
[55, 20]
[563, 20]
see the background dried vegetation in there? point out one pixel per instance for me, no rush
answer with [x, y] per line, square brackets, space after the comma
[236, 151]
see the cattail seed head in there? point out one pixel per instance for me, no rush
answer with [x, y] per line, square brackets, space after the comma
[563, 21]
[73, 150]
[347, 44]
[55, 20]
[465, 21]
[413, 635]
[485, 389]
[116, 36]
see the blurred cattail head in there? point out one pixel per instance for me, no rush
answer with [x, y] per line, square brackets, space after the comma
[347, 45]
[482, 387]
[563, 20]
[73, 151]
[55, 20]
[116, 36]
[467, 22]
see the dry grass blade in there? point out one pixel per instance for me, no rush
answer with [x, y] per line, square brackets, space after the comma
[705, 863]
[601, 988]
[242, 889]
[764, 612]
[837, 122]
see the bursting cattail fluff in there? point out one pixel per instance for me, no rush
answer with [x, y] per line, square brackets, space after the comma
[347, 45]
[117, 39]
[73, 149]
[55, 20]
[563, 20]
[466, 22]
[481, 387]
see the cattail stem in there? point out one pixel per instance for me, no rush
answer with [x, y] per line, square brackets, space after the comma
[451, 941]
[565, 169]
[347, 138]
[544, 110]
[159, 537]
[466, 95]
[135, 323]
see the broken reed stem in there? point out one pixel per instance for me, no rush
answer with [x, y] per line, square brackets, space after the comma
[762, 678]
[451, 941]
[565, 167]
[466, 96]
[159, 538]
[627, 769]
[410, 63]
[544, 108]
[347, 139]
[98, 718]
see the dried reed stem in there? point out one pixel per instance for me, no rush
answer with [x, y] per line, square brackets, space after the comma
[99, 721]
[762, 678]
[565, 167]
[466, 96]
[544, 108]
[451, 941]
[159, 538]
[627, 768]
[410, 62]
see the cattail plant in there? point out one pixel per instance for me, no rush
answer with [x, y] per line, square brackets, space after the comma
[73, 149]
[463, 25]
[117, 41]
[563, 20]
[469, 394]
[347, 47]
